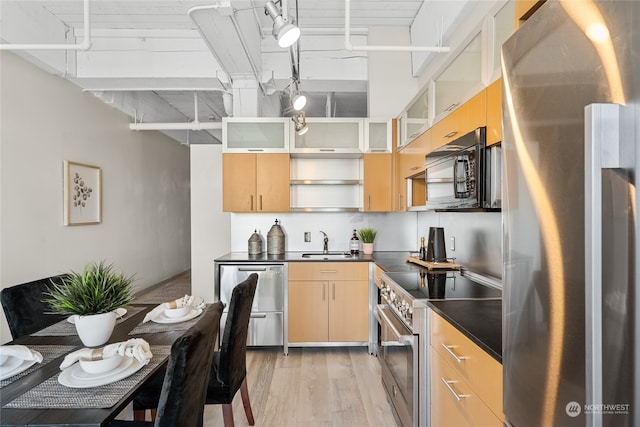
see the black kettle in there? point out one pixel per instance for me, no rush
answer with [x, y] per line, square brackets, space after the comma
[436, 251]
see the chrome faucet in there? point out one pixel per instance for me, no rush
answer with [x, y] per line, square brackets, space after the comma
[325, 248]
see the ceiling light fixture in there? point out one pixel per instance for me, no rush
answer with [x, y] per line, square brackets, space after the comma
[298, 99]
[300, 122]
[285, 32]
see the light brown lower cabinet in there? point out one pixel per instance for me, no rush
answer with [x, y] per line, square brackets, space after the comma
[328, 302]
[466, 383]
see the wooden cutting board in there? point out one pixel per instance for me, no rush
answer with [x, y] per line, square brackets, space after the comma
[434, 265]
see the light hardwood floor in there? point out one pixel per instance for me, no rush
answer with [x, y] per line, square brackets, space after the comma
[311, 387]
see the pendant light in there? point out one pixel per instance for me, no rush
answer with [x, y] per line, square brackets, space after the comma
[285, 32]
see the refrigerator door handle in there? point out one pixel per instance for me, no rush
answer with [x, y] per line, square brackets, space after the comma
[609, 144]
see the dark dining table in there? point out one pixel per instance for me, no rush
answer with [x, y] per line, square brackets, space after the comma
[36, 398]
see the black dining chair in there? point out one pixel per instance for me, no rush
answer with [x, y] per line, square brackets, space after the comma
[229, 369]
[182, 396]
[24, 309]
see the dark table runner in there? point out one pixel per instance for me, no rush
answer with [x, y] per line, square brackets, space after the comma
[52, 394]
[49, 353]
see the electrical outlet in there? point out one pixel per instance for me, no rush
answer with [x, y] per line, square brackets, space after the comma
[453, 244]
[307, 236]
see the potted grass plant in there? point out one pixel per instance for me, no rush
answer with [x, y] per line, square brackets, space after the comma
[367, 235]
[91, 298]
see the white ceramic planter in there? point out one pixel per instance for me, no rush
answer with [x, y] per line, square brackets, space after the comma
[367, 248]
[95, 330]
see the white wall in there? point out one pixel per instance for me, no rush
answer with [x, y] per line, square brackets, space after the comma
[210, 233]
[145, 224]
[396, 231]
[478, 238]
[391, 84]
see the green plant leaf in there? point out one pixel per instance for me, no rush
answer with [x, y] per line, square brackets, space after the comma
[96, 290]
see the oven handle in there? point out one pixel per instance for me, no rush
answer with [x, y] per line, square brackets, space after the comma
[385, 319]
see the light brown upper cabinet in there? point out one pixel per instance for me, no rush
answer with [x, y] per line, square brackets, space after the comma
[469, 116]
[494, 112]
[255, 183]
[378, 178]
[410, 185]
[526, 8]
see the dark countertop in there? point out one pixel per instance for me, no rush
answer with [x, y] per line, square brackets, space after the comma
[388, 261]
[478, 320]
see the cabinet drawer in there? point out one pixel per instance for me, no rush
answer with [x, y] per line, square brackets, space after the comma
[453, 401]
[475, 366]
[328, 271]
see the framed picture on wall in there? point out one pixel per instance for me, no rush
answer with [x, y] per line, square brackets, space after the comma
[82, 194]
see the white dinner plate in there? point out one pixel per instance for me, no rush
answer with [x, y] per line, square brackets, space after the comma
[81, 374]
[13, 366]
[120, 312]
[162, 318]
[74, 376]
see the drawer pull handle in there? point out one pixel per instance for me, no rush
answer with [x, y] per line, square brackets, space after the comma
[449, 348]
[258, 316]
[328, 271]
[458, 397]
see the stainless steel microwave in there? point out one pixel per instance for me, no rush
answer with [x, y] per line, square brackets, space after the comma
[464, 174]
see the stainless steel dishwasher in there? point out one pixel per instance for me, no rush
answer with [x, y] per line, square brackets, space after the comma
[267, 323]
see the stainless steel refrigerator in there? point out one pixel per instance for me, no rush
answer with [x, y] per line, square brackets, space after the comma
[571, 147]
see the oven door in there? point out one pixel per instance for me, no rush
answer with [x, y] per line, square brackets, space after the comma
[398, 353]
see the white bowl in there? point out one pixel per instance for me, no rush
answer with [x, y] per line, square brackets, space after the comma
[177, 312]
[3, 358]
[100, 366]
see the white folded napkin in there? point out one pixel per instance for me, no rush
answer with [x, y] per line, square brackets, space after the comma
[187, 300]
[20, 352]
[135, 347]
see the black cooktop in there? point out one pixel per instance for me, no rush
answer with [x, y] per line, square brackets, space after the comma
[441, 285]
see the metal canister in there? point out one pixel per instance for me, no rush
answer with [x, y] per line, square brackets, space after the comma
[255, 243]
[275, 240]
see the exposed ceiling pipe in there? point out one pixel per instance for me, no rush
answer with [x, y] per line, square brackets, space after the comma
[84, 45]
[350, 47]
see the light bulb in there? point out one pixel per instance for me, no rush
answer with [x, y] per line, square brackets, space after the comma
[298, 102]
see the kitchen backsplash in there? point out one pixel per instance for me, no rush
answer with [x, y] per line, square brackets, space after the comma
[478, 241]
[396, 231]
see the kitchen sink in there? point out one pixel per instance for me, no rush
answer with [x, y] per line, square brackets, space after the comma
[328, 255]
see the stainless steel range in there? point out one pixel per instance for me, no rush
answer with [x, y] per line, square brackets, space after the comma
[403, 333]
